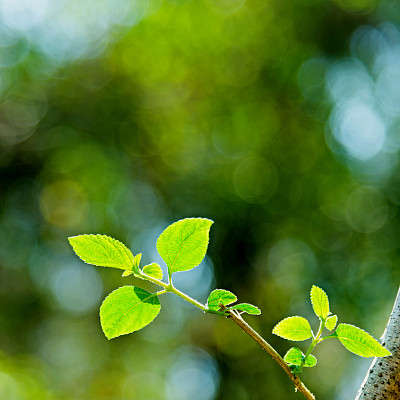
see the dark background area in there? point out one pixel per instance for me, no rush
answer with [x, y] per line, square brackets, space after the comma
[278, 120]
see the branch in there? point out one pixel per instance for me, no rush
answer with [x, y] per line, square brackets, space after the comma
[271, 351]
[383, 377]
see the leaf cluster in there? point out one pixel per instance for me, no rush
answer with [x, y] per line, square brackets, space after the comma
[298, 328]
[182, 246]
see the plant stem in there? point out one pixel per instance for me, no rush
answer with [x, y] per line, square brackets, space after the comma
[169, 287]
[184, 296]
[315, 341]
[235, 317]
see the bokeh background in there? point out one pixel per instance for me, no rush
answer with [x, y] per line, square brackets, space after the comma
[279, 120]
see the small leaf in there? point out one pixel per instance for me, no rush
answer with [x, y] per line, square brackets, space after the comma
[294, 356]
[127, 273]
[127, 309]
[331, 322]
[360, 342]
[311, 361]
[153, 270]
[102, 251]
[293, 328]
[183, 245]
[136, 261]
[246, 307]
[320, 302]
[220, 296]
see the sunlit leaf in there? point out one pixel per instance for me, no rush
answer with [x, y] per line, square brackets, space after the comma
[102, 251]
[183, 244]
[153, 270]
[331, 322]
[320, 302]
[293, 356]
[220, 296]
[127, 310]
[311, 361]
[360, 342]
[136, 261]
[293, 328]
[246, 307]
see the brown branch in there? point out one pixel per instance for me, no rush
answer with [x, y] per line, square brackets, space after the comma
[235, 317]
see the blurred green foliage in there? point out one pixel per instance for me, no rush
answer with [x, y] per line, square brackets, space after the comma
[278, 120]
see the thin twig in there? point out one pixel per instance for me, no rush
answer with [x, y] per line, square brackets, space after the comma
[271, 351]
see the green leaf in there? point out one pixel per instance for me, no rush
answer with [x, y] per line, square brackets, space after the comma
[360, 342]
[331, 322]
[183, 244]
[294, 356]
[246, 307]
[293, 328]
[220, 296]
[126, 310]
[311, 361]
[153, 270]
[127, 273]
[136, 261]
[102, 251]
[320, 302]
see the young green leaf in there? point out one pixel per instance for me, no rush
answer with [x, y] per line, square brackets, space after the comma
[183, 244]
[153, 270]
[127, 273]
[246, 307]
[311, 361]
[127, 309]
[294, 356]
[320, 302]
[360, 342]
[102, 251]
[136, 261]
[293, 328]
[220, 296]
[331, 322]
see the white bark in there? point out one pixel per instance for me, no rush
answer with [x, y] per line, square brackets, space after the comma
[382, 381]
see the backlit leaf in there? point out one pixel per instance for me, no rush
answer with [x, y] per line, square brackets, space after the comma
[293, 328]
[153, 270]
[331, 322]
[311, 361]
[246, 307]
[360, 342]
[136, 261]
[183, 244]
[294, 356]
[320, 302]
[127, 310]
[220, 296]
[102, 251]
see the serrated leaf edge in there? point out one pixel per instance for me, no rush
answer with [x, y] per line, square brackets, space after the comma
[292, 340]
[95, 235]
[170, 267]
[235, 307]
[115, 290]
[312, 302]
[353, 326]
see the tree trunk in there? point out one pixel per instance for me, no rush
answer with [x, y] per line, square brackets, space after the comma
[383, 378]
